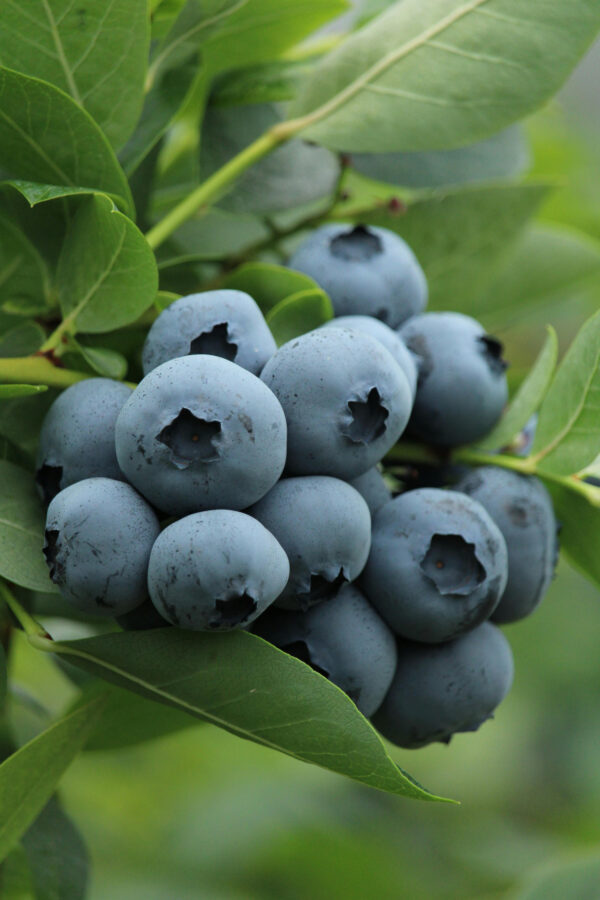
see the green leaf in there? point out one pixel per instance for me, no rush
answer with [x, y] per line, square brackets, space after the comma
[10, 391]
[438, 75]
[504, 155]
[107, 273]
[548, 263]
[29, 777]
[22, 340]
[21, 417]
[270, 82]
[567, 436]
[528, 397]
[162, 104]
[23, 274]
[293, 175]
[46, 138]
[572, 880]
[461, 236]
[108, 363]
[217, 234]
[95, 52]
[298, 314]
[15, 877]
[128, 719]
[269, 284]
[260, 30]
[58, 858]
[21, 531]
[36, 193]
[243, 684]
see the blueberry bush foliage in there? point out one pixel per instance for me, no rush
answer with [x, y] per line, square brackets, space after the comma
[154, 148]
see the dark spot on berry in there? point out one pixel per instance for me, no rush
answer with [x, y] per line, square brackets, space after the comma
[492, 350]
[190, 439]
[368, 419]
[359, 244]
[232, 612]
[452, 565]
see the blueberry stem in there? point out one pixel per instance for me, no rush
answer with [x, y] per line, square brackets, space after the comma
[408, 452]
[32, 629]
[37, 370]
[213, 187]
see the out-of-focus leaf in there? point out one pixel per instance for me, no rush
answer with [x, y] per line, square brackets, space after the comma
[29, 777]
[22, 340]
[461, 236]
[58, 858]
[528, 397]
[294, 174]
[573, 880]
[10, 391]
[503, 155]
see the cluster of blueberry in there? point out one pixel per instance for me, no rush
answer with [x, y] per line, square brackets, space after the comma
[389, 598]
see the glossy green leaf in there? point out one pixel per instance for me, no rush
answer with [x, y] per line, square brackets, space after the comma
[58, 858]
[437, 75]
[22, 340]
[567, 437]
[36, 193]
[46, 138]
[29, 777]
[269, 284]
[503, 155]
[128, 719]
[95, 52]
[243, 684]
[23, 274]
[548, 263]
[461, 236]
[260, 30]
[21, 530]
[10, 391]
[528, 397]
[107, 273]
[293, 175]
[298, 314]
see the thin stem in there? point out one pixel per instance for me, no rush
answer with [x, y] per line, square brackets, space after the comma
[56, 337]
[214, 186]
[27, 622]
[37, 370]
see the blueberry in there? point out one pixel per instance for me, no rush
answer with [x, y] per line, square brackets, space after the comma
[99, 533]
[215, 570]
[373, 489]
[345, 398]
[228, 324]
[77, 439]
[522, 509]
[324, 526]
[461, 389]
[200, 432]
[366, 271]
[390, 339]
[343, 639]
[437, 566]
[440, 690]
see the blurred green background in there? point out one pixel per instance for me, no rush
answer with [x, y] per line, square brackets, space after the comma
[204, 815]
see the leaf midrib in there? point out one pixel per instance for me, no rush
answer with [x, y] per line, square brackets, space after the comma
[385, 63]
[569, 425]
[61, 53]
